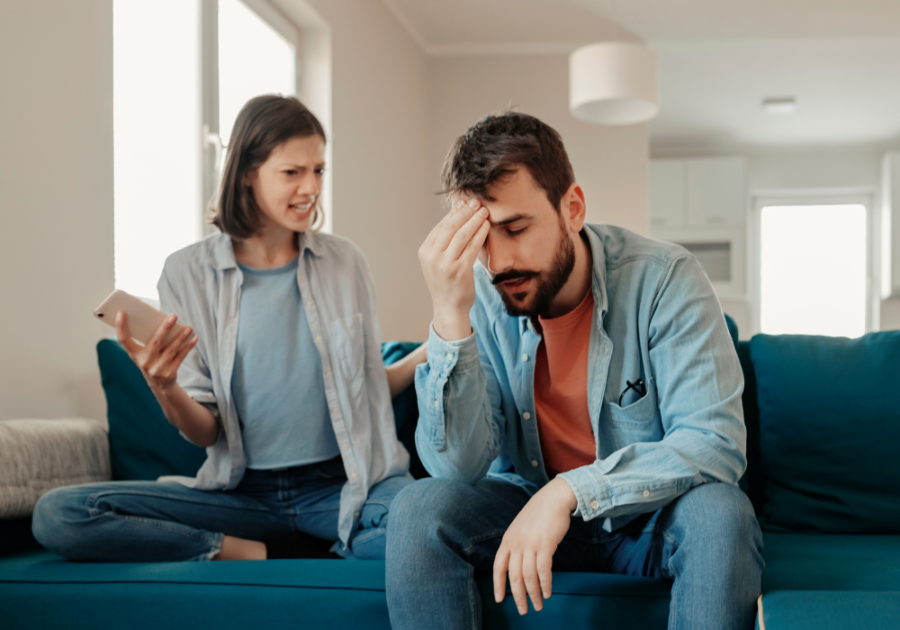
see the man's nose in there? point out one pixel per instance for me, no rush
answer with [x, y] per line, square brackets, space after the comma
[499, 257]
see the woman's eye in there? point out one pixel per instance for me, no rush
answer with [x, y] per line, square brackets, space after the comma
[320, 171]
[290, 173]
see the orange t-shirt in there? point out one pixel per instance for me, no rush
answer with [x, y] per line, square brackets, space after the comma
[560, 390]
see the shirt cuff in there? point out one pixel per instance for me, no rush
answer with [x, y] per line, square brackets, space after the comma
[444, 355]
[591, 490]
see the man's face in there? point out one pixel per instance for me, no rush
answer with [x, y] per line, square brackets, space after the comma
[528, 251]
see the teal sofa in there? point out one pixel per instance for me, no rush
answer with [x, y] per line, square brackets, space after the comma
[823, 418]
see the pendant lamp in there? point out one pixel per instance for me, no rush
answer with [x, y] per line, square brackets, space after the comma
[613, 83]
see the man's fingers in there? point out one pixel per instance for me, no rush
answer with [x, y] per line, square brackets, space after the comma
[476, 243]
[451, 225]
[545, 573]
[124, 335]
[517, 583]
[464, 235]
[501, 565]
[530, 577]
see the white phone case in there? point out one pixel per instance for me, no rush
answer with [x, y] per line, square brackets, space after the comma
[143, 319]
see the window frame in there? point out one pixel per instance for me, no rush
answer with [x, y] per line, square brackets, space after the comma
[865, 197]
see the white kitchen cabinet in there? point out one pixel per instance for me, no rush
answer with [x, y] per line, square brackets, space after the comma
[668, 193]
[715, 191]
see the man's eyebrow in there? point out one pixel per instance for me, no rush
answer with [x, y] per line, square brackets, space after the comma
[508, 220]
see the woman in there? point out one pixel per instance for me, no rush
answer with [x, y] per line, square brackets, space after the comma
[278, 374]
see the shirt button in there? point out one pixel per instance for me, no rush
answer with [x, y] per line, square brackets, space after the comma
[646, 493]
[318, 339]
[595, 504]
[334, 411]
[526, 415]
[327, 374]
[534, 463]
[356, 515]
[353, 476]
[524, 357]
[436, 404]
[448, 356]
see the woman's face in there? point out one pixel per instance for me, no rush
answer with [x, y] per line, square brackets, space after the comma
[287, 185]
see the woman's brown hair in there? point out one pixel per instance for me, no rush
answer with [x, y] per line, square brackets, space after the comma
[263, 124]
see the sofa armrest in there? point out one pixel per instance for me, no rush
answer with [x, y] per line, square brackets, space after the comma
[39, 455]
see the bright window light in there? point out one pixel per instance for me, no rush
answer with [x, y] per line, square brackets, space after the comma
[254, 59]
[813, 270]
[156, 108]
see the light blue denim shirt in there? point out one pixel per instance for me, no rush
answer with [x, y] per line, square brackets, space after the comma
[202, 285]
[656, 318]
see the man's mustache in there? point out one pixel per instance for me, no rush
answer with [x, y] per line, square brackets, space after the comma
[514, 274]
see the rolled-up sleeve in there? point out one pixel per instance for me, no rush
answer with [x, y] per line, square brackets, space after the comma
[193, 374]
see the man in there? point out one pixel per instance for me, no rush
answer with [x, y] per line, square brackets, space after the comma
[580, 409]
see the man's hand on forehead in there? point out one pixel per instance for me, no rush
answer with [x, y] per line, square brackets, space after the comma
[447, 256]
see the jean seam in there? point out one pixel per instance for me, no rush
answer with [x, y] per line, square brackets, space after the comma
[178, 528]
[92, 499]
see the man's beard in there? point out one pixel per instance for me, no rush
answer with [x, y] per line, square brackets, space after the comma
[549, 283]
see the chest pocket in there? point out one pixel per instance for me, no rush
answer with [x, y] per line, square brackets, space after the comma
[638, 422]
[348, 341]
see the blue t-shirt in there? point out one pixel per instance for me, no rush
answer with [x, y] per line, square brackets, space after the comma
[277, 383]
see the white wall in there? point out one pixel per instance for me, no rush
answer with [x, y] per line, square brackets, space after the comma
[610, 162]
[56, 200]
[379, 144]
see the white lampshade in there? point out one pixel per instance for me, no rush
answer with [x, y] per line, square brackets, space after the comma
[613, 83]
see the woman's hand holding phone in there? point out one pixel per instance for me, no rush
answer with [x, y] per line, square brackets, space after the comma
[158, 361]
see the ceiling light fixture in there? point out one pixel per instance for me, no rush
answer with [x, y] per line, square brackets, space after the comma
[613, 83]
[781, 105]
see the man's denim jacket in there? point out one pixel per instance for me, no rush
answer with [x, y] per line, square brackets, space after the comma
[656, 318]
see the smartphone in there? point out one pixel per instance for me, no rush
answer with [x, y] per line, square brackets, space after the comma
[143, 319]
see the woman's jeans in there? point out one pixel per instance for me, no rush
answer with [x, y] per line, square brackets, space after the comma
[707, 542]
[149, 521]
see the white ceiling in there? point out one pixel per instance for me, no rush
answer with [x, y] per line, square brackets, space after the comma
[717, 60]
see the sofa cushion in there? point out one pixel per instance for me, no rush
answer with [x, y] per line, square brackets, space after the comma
[142, 443]
[144, 446]
[314, 594]
[817, 610]
[37, 456]
[824, 562]
[829, 414]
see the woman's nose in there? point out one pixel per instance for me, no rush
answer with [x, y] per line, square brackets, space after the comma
[308, 186]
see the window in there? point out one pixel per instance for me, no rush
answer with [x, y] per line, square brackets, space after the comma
[182, 69]
[814, 269]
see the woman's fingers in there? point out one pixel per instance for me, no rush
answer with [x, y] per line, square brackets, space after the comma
[184, 351]
[176, 344]
[530, 577]
[124, 335]
[155, 344]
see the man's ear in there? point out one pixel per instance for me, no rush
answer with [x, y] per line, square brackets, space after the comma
[574, 208]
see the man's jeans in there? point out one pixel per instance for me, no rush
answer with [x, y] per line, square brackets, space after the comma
[707, 541]
[148, 521]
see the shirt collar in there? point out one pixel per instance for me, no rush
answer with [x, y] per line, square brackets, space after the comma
[598, 282]
[222, 251]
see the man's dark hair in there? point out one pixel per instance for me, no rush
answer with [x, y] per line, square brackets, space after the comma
[263, 124]
[495, 146]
